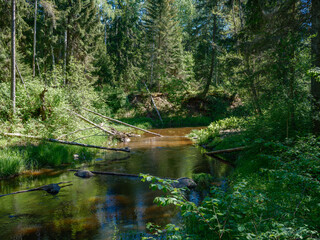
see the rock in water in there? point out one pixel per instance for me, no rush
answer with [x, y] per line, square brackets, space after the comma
[84, 174]
[185, 182]
[52, 188]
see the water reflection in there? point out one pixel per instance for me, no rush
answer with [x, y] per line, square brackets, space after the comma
[103, 207]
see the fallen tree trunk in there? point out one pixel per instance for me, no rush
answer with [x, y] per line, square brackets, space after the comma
[46, 188]
[92, 123]
[109, 173]
[123, 123]
[180, 182]
[226, 150]
[126, 149]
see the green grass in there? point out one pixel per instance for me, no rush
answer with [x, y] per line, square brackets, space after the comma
[17, 158]
[10, 163]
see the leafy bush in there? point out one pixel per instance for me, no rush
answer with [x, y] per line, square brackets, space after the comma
[211, 135]
[278, 201]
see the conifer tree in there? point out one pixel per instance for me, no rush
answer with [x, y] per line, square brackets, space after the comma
[164, 42]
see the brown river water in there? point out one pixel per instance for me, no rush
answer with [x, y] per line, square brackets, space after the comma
[104, 207]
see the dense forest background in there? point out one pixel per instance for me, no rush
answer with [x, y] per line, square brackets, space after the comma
[258, 52]
[251, 67]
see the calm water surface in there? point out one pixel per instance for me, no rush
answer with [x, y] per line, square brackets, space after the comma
[103, 207]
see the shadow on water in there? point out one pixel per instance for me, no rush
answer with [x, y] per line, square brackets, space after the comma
[103, 207]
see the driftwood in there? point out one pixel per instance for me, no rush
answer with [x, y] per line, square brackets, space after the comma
[225, 151]
[92, 123]
[109, 173]
[50, 188]
[123, 123]
[181, 182]
[126, 149]
[119, 135]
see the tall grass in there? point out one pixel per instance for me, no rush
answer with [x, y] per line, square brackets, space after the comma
[15, 159]
[10, 163]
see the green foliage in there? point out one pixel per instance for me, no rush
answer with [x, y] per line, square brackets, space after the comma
[212, 134]
[277, 201]
[10, 163]
[14, 159]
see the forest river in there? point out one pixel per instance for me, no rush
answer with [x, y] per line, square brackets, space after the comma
[104, 207]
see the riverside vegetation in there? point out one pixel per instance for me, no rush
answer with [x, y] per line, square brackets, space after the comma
[249, 70]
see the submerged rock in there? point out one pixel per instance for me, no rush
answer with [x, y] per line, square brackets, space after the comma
[84, 174]
[52, 188]
[185, 182]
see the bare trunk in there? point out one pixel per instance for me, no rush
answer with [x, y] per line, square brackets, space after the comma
[315, 51]
[213, 56]
[65, 56]
[34, 39]
[123, 123]
[126, 149]
[13, 57]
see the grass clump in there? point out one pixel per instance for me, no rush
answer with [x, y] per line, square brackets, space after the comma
[10, 163]
[16, 158]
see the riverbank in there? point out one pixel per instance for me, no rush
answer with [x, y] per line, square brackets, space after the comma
[103, 205]
[273, 192]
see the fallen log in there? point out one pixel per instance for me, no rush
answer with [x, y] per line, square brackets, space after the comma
[181, 182]
[52, 188]
[123, 123]
[109, 173]
[126, 149]
[226, 150]
[92, 123]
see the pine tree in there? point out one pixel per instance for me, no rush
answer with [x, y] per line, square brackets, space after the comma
[164, 42]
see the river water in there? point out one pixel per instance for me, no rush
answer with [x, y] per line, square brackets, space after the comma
[103, 207]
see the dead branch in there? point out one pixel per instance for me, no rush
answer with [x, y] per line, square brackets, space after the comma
[126, 149]
[92, 123]
[123, 123]
[45, 188]
[110, 173]
[225, 151]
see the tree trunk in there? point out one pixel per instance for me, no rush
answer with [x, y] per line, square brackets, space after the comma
[213, 56]
[315, 51]
[13, 57]
[34, 39]
[65, 56]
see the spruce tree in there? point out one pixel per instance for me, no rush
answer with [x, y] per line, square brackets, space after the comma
[163, 42]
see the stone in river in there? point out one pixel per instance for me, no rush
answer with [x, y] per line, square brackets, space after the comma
[84, 174]
[52, 188]
[185, 182]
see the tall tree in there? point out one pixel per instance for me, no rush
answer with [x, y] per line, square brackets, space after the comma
[206, 31]
[13, 56]
[34, 39]
[315, 50]
[164, 42]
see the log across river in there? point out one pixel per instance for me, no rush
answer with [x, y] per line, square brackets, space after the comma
[103, 205]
